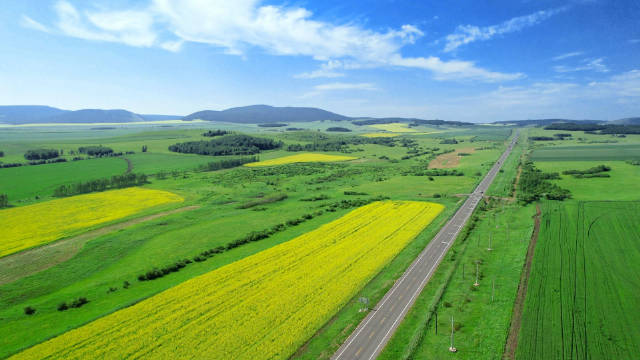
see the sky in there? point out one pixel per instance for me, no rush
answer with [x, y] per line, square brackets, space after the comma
[465, 60]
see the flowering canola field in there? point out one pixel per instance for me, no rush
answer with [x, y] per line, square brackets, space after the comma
[33, 225]
[305, 157]
[264, 306]
[395, 127]
[379, 134]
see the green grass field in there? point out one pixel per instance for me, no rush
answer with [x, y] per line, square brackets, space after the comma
[600, 152]
[583, 291]
[622, 185]
[109, 260]
[23, 184]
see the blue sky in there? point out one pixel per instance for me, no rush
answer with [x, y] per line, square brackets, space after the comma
[464, 60]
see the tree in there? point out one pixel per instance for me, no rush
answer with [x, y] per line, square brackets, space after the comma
[144, 148]
[4, 201]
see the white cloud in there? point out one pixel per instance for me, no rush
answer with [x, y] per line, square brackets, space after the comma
[129, 27]
[634, 41]
[454, 69]
[29, 23]
[587, 65]
[240, 25]
[466, 34]
[567, 55]
[339, 86]
[345, 86]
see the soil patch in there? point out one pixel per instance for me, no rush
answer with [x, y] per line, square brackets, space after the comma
[449, 160]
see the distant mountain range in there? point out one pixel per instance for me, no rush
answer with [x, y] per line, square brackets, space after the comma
[37, 114]
[254, 114]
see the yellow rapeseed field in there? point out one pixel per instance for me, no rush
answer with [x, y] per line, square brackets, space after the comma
[264, 306]
[32, 225]
[298, 158]
[395, 127]
[380, 134]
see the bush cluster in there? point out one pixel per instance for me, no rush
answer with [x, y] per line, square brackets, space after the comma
[98, 150]
[115, 182]
[597, 171]
[41, 154]
[156, 273]
[214, 133]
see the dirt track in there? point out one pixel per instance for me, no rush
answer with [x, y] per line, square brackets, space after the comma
[16, 266]
[516, 319]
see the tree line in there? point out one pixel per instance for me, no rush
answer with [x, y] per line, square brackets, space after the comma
[227, 145]
[115, 182]
[592, 128]
[98, 150]
[41, 154]
[214, 133]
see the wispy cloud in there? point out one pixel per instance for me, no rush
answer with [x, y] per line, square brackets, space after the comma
[29, 23]
[567, 55]
[586, 65]
[129, 27]
[634, 41]
[340, 86]
[345, 86]
[466, 34]
[235, 27]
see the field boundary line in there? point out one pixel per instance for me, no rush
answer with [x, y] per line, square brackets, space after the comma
[16, 266]
[516, 319]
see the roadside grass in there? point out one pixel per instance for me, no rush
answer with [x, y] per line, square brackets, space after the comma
[582, 300]
[502, 185]
[483, 324]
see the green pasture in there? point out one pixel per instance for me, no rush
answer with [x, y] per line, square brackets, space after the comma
[600, 152]
[106, 262]
[621, 185]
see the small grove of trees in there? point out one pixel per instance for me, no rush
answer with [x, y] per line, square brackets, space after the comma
[96, 150]
[534, 184]
[41, 154]
[227, 145]
[1, 153]
[214, 133]
[79, 302]
[338, 129]
[4, 201]
[273, 125]
[115, 182]
[597, 171]
[227, 163]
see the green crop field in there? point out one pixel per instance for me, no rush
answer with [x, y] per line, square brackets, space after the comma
[583, 291]
[598, 152]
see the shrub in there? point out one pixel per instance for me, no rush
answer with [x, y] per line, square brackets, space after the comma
[41, 154]
[79, 302]
[63, 306]
[29, 310]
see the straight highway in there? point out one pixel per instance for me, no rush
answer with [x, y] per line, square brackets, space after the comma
[369, 338]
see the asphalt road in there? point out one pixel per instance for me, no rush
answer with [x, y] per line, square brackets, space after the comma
[375, 330]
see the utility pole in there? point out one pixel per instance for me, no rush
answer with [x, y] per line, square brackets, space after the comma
[476, 283]
[452, 348]
[490, 238]
[436, 322]
[493, 289]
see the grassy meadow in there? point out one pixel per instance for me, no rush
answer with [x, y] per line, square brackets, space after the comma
[228, 206]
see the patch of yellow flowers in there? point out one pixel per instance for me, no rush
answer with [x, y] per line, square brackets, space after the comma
[264, 306]
[298, 158]
[33, 225]
[394, 127]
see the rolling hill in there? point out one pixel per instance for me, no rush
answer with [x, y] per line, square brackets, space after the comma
[260, 114]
